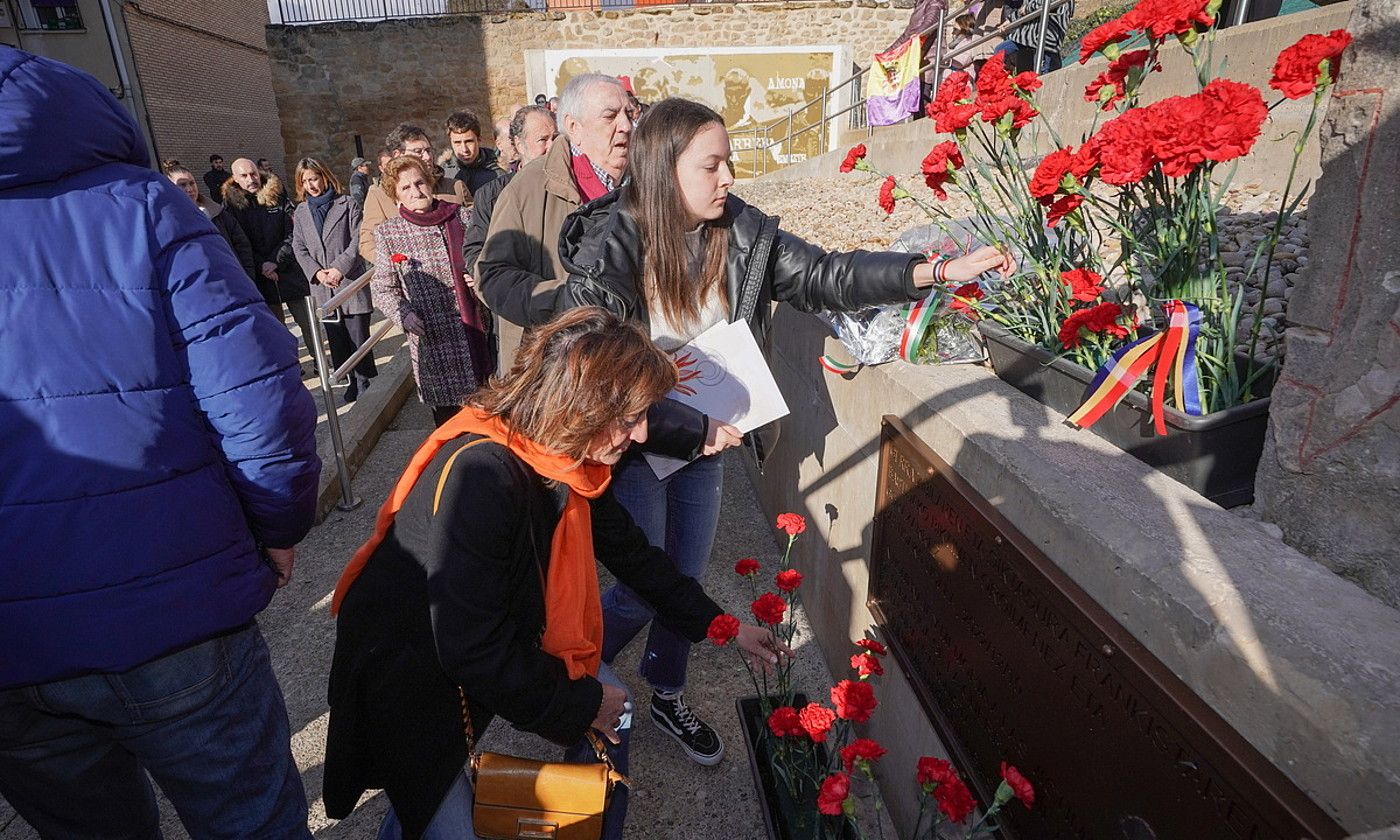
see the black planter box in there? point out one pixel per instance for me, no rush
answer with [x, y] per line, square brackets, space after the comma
[783, 818]
[1216, 455]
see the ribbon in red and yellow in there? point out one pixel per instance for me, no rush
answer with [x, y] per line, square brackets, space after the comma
[1172, 352]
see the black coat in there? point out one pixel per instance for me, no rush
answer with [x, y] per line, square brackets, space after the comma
[214, 183]
[475, 175]
[483, 202]
[232, 232]
[455, 599]
[267, 219]
[601, 247]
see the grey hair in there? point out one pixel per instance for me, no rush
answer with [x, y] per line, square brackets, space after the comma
[571, 98]
[517, 123]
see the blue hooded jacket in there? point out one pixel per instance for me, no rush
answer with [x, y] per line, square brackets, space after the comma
[153, 422]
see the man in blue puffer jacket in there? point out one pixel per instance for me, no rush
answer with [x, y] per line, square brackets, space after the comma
[155, 441]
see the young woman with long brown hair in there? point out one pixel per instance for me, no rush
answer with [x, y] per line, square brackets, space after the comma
[674, 251]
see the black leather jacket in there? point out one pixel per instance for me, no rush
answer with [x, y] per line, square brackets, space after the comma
[600, 246]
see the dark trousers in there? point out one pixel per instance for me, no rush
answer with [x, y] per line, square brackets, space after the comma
[345, 338]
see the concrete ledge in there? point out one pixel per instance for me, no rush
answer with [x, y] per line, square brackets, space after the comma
[1304, 664]
[362, 422]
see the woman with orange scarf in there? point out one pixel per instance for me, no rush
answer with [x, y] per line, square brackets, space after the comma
[479, 586]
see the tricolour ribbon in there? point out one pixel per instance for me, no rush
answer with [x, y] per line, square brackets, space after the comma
[918, 319]
[1172, 352]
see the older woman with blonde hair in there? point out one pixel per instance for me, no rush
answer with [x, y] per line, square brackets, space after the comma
[325, 227]
[421, 283]
[478, 593]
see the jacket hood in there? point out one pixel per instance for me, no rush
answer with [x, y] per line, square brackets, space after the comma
[270, 195]
[40, 141]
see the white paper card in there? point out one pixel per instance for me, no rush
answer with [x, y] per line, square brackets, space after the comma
[724, 374]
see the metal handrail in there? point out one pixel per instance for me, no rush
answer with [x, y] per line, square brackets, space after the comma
[348, 499]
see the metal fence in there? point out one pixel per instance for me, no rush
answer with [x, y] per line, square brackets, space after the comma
[300, 12]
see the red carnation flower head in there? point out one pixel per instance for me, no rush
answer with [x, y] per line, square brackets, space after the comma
[769, 608]
[784, 722]
[1084, 285]
[1124, 147]
[398, 258]
[862, 750]
[831, 800]
[963, 297]
[788, 580]
[1063, 206]
[867, 664]
[792, 523]
[1106, 37]
[746, 567]
[939, 165]
[1163, 18]
[1104, 318]
[1014, 784]
[855, 701]
[954, 799]
[1219, 124]
[934, 771]
[1049, 177]
[951, 109]
[816, 721]
[1124, 74]
[1301, 68]
[854, 158]
[873, 646]
[886, 198]
[1027, 81]
[724, 628]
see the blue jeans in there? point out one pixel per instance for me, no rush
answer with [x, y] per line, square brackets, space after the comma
[678, 514]
[453, 818]
[1051, 60]
[207, 722]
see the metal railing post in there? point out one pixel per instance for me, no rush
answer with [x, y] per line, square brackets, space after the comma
[1040, 42]
[823, 134]
[937, 52]
[348, 499]
[1241, 12]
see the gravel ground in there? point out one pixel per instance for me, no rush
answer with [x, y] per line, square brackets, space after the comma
[673, 798]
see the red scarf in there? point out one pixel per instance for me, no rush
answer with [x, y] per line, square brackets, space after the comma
[588, 182]
[443, 214]
[573, 609]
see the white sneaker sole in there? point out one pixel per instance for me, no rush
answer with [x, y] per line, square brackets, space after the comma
[703, 760]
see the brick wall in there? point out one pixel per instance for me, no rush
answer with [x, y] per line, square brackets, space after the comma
[206, 80]
[334, 81]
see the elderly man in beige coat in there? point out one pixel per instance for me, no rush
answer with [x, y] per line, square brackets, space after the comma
[519, 272]
[405, 139]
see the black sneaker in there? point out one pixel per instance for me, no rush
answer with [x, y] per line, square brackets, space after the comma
[672, 716]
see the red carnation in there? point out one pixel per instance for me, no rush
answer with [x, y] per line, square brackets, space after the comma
[1299, 68]
[746, 567]
[769, 608]
[939, 165]
[1106, 35]
[1096, 319]
[1160, 18]
[855, 701]
[1124, 146]
[1027, 81]
[954, 799]
[950, 110]
[788, 580]
[832, 798]
[784, 722]
[816, 721]
[853, 157]
[867, 665]
[963, 297]
[872, 646]
[861, 749]
[1050, 174]
[934, 771]
[1084, 284]
[1019, 785]
[1062, 207]
[723, 628]
[1113, 81]
[997, 94]
[398, 258]
[887, 195]
[1218, 124]
[793, 523]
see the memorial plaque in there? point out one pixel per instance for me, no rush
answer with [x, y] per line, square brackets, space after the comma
[1012, 661]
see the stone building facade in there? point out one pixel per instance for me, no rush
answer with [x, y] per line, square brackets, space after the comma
[335, 81]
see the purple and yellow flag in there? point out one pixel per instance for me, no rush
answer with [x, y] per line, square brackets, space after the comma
[894, 83]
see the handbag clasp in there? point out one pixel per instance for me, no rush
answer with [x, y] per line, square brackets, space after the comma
[533, 829]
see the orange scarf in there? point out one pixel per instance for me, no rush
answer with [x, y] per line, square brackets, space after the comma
[573, 608]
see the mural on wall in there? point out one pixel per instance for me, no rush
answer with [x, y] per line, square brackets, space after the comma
[753, 88]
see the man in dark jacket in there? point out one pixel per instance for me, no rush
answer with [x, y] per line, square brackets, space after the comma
[472, 165]
[532, 132]
[216, 176]
[159, 469]
[359, 181]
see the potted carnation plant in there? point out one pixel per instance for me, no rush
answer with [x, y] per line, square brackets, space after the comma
[809, 765]
[1124, 316]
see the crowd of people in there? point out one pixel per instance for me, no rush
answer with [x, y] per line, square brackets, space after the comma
[163, 474]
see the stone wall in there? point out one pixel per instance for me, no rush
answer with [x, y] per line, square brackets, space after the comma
[1330, 476]
[334, 81]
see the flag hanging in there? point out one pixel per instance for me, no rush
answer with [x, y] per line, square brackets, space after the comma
[894, 83]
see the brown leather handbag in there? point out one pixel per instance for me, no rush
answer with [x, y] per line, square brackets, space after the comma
[525, 799]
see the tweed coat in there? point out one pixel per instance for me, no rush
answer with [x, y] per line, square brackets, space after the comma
[442, 363]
